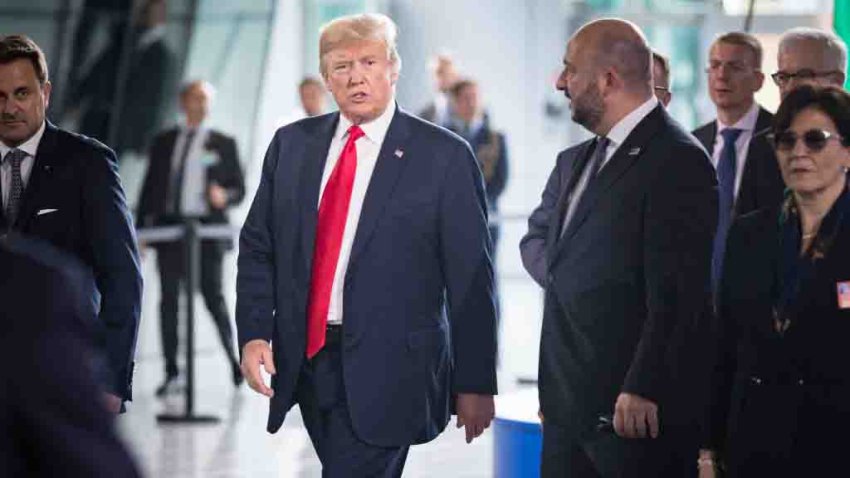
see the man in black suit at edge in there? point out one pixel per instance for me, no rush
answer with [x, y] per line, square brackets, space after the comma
[622, 244]
[194, 171]
[51, 419]
[747, 172]
[64, 188]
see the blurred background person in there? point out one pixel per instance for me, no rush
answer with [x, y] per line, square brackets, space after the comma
[52, 420]
[783, 386]
[120, 99]
[194, 172]
[64, 188]
[311, 102]
[747, 173]
[445, 74]
[661, 82]
[311, 92]
[472, 123]
[810, 56]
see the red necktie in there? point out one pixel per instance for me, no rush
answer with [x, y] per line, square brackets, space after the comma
[333, 211]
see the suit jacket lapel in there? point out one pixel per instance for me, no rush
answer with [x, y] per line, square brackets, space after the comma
[315, 157]
[569, 180]
[45, 162]
[383, 182]
[622, 160]
[758, 149]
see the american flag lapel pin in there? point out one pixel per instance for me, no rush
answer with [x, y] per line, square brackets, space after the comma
[843, 291]
[398, 153]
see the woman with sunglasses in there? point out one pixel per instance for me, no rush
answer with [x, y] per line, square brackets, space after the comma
[781, 404]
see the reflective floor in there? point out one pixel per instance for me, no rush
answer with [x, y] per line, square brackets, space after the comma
[239, 445]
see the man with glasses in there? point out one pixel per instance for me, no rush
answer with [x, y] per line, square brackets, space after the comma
[810, 56]
[661, 78]
[747, 173]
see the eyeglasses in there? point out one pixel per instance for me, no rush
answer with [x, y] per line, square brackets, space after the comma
[814, 139]
[783, 77]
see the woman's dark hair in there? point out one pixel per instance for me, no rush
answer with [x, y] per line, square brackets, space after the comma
[830, 100]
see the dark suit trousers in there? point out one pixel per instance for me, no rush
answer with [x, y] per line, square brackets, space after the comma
[604, 454]
[171, 263]
[321, 397]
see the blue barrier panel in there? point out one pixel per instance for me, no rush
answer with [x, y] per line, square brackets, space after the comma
[517, 435]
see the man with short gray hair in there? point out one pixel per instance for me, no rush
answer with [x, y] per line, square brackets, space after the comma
[810, 56]
[365, 264]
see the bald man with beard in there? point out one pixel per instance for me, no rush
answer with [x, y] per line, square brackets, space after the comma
[621, 242]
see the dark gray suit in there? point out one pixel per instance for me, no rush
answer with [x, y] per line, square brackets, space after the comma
[627, 295]
[761, 184]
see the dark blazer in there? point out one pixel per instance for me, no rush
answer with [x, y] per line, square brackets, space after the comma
[51, 419]
[780, 401]
[627, 285]
[419, 273]
[761, 184]
[75, 201]
[227, 173]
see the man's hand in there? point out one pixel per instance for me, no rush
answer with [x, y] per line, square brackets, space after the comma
[475, 412]
[706, 464]
[217, 196]
[112, 403]
[255, 353]
[634, 416]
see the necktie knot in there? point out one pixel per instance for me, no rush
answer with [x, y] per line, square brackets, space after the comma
[730, 135]
[15, 157]
[355, 133]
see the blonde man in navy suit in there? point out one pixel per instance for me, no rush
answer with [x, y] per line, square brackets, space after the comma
[365, 250]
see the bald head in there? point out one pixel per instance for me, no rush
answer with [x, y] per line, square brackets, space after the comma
[618, 45]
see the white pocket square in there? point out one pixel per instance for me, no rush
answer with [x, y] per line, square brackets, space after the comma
[45, 211]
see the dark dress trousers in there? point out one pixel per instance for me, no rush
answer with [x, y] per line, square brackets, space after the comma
[52, 422]
[74, 200]
[782, 399]
[419, 274]
[153, 210]
[627, 300]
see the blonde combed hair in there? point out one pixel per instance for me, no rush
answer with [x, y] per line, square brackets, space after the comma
[350, 29]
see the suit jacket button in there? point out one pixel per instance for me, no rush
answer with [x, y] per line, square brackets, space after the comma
[550, 279]
[755, 380]
[801, 382]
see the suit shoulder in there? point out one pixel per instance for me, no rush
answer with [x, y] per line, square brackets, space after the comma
[754, 226]
[703, 130]
[78, 144]
[217, 135]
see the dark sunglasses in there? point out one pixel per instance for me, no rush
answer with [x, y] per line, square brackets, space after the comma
[814, 139]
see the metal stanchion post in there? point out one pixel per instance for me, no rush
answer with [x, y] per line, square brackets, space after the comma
[192, 243]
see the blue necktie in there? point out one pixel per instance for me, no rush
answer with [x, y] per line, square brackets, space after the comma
[726, 167]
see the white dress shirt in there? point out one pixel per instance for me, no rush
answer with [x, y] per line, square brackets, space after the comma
[193, 194]
[747, 125]
[368, 148]
[616, 136]
[30, 147]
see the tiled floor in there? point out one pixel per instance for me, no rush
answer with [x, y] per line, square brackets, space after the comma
[239, 445]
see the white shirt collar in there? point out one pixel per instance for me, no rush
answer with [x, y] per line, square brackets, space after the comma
[618, 134]
[374, 130]
[29, 146]
[746, 123]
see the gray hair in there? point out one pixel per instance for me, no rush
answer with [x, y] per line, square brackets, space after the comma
[835, 51]
[664, 64]
[355, 28]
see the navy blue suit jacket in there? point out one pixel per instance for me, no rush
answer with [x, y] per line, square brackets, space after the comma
[419, 323]
[52, 422]
[74, 200]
